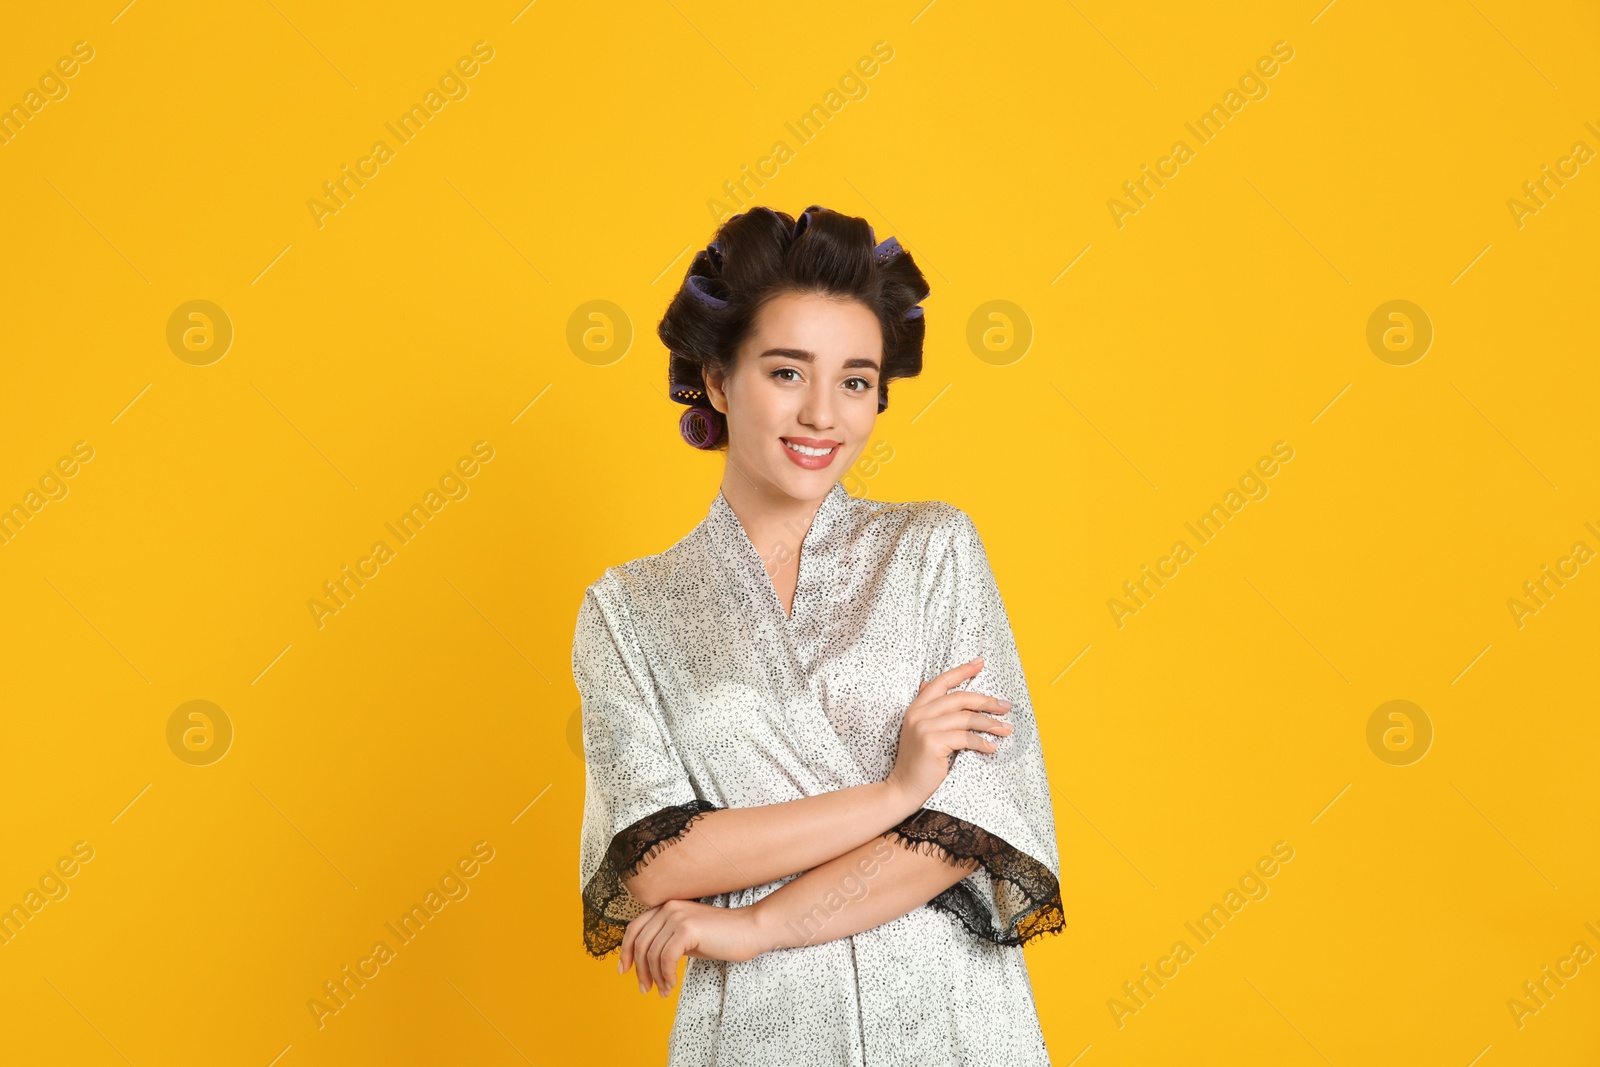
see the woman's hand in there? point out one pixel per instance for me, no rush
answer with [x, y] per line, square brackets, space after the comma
[939, 722]
[656, 940]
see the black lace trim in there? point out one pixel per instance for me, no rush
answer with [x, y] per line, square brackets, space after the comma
[1026, 894]
[608, 907]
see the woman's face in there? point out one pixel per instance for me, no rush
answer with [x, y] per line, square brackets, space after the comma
[807, 375]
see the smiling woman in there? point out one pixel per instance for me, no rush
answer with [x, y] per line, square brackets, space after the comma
[799, 778]
[790, 330]
[763, 256]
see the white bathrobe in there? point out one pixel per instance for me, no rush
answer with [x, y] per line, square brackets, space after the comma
[700, 693]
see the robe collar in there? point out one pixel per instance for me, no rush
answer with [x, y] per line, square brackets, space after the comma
[733, 544]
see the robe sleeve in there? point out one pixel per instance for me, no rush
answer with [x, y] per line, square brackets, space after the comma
[992, 807]
[638, 798]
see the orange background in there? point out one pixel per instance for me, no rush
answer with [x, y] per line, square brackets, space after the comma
[1142, 363]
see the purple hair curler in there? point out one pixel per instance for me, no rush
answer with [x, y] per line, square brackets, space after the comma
[699, 427]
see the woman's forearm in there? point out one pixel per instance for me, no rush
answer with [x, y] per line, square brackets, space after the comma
[866, 887]
[735, 848]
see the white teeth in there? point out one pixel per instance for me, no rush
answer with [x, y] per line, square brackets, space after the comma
[805, 450]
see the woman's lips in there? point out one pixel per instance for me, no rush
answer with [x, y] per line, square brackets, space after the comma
[810, 444]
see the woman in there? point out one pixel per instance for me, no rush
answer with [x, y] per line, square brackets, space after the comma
[799, 775]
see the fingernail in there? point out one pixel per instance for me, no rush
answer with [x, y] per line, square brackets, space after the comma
[619, 966]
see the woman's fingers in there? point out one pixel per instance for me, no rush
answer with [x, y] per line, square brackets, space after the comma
[629, 935]
[972, 707]
[940, 684]
[975, 742]
[663, 936]
[641, 966]
[937, 709]
[665, 965]
[961, 705]
[984, 724]
[641, 948]
[946, 722]
[963, 702]
[970, 729]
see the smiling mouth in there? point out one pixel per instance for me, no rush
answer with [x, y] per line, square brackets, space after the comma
[808, 450]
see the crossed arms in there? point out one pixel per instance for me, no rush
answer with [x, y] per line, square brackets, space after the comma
[837, 840]
[854, 879]
[845, 838]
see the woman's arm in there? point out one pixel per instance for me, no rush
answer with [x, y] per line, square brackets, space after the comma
[730, 849]
[736, 848]
[866, 887]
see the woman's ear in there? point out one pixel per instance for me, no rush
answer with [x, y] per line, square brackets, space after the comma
[714, 389]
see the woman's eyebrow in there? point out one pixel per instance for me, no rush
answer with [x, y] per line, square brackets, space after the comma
[808, 357]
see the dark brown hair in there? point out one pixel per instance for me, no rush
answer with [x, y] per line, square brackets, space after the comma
[761, 253]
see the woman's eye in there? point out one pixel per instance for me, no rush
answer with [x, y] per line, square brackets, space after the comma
[856, 385]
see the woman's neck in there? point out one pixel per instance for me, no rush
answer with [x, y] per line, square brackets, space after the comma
[775, 522]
